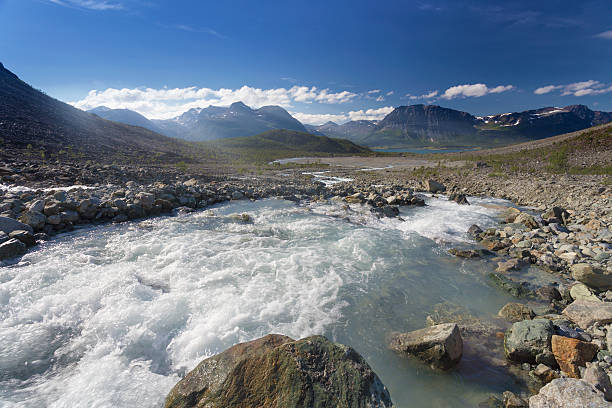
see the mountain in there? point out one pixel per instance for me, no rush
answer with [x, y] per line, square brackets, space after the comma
[236, 120]
[129, 117]
[31, 121]
[426, 125]
[275, 142]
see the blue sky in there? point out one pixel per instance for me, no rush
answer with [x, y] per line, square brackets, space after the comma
[336, 60]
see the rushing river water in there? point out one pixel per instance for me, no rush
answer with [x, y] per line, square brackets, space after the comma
[112, 316]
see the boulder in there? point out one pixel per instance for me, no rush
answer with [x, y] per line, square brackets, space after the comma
[459, 199]
[585, 313]
[34, 219]
[388, 211]
[548, 293]
[37, 206]
[591, 276]
[464, 253]
[511, 400]
[237, 195]
[568, 393]
[527, 220]
[440, 346]
[579, 291]
[544, 373]
[572, 354]
[474, 230]
[8, 225]
[146, 200]
[276, 371]
[434, 187]
[24, 236]
[516, 312]
[12, 248]
[596, 376]
[526, 340]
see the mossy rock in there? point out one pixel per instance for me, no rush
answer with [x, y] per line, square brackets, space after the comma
[277, 371]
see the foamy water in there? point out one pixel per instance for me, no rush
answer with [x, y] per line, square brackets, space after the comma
[113, 316]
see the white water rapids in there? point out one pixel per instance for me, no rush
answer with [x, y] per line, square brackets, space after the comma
[112, 316]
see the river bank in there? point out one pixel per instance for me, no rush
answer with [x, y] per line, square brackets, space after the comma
[564, 232]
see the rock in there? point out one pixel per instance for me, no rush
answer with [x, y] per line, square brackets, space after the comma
[388, 211]
[276, 371]
[54, 219]
[237, 195]
[459, 199]
[516, 312]
[527, 339]
[8, 225]
[191, 183]
[585, 313]
[527, 220]
[591, 276]
[434, 187]
[572, 353]
[24, 236]
[69, 216]
[37, 206]
[464, 253]
[440, 346]
[595, 375]
[545, 373]
[510, 264]
[568, 393]
[3, 237]
[474, 230]
[34, 219]
[52, 207]
[146, 200]
[12, 248]
[548, 293]
[60, 196]
[356, 198]
[87, 208]
[579, 291]
[516, 289]
[242, 218]
[492, 244]
[511, 400]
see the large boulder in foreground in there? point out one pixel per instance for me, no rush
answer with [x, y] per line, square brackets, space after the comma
[571, 354]
[434, 187]
[529, 341]
[277, 371]
[585, 313]
[8, 225]
[440, 346]
[568, 393]
[591, 276]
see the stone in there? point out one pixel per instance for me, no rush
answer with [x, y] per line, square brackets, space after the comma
[527, 339]
[191, 183]
[516, 289]
[237, 195]
[52, 207]
[591, 276]
[459, 199]
[545, 373]
[37, 206]
[69, 216]
[356, 198]
[511, 400]
[87, 208]
[12, 248]
[585, 313]
[474, 230]
[24, 236]
[548, 293]
[492, 244]
[146, 200]
[568, 393]
[516, 312]
[527, 220]
[54, 219]
[277, 371]
[464, 253]
[34, 219]
[434, 187]
[8, 225]
[595, 375]
[510, 264]
[440, 346]
[572, 354]
[388, 211]
[579, 291]
[510, 214]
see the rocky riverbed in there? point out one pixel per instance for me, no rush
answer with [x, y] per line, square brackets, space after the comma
[553, 254]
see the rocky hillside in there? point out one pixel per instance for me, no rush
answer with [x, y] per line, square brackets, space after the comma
[129, 117]
[237, 120]
[37, 124]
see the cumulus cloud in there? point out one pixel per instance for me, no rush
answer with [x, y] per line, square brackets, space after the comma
[167, 103]
[473, 90]
[370, 114]
[606, 35]
[428, 95]
[89, 4]
[583, 88]
[319, 118]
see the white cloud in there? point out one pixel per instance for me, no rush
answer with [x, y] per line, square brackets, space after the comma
[473, 90]
[390, 93]
[167, 103]
[428, 95]
[90, 4]
[380, 98]
[370, 114]
[606, 35]
[583, 88]
[374, 91]
[319, 119]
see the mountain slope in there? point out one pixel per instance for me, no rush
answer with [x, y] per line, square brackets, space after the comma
[31, 120]
[236, 120]
[129, 117]
[355, 130]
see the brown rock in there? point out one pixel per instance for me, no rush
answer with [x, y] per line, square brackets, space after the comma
[572, 353]
[516, 312]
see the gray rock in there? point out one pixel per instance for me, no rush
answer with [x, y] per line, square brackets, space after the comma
[12, 248]
[37, 206]
[434, 187]
[527, 220]
[24, 236]
[474, 230]
[237, 195]
[585, 313]
[60, 196]
[69, 216]
[591, 276]
[598, 377]
[8, 225]
[525, 340]
[54, 219]
[579, 291]
[34, 219]
[516, 312]
[440, 346]
[568, 393]
[146, 200]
